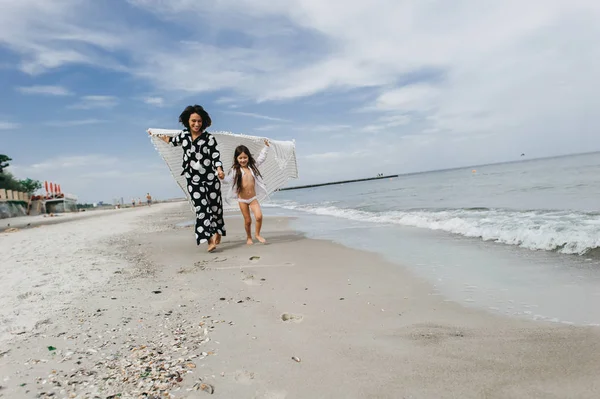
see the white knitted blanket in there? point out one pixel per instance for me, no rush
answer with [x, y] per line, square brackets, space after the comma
[279, 167]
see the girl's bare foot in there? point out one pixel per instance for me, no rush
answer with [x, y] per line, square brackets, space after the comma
[249, 241]
[260, 239]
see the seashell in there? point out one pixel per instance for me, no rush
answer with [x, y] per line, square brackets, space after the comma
[163, 387]
[296, 359]
[207, 388]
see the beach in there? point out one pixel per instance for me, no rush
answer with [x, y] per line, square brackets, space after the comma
[123, 303]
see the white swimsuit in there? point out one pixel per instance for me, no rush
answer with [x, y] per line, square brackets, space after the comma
[247, 201]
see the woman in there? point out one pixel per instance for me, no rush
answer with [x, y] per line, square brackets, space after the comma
[202, 169]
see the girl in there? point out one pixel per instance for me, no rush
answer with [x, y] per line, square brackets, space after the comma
[201, 164]
[246, 183]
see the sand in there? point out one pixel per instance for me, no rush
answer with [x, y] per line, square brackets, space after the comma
[128, 296]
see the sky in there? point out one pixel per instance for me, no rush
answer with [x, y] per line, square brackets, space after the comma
[364, 87]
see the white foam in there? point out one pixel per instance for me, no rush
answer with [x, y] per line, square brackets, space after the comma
[566, 232]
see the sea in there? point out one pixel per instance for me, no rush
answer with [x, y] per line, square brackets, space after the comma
[519, 239]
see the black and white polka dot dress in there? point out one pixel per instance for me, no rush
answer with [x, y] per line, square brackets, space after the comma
[200, 162]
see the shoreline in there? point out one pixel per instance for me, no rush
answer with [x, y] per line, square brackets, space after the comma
[360, 326]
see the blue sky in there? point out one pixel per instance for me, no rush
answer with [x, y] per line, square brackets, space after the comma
[363, 87]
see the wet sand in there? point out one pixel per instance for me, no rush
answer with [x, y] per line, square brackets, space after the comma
[131, 305]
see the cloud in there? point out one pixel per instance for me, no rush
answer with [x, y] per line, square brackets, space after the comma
[87, 161]
[56, 35]
[389, 43]
[488, 75]
[267, 128]
[45, 90]
[257, 116]
[95, 101]
[423, 75]
[388, 122]
[304, 130]
[225, 100]
[9, 125]
[324, 155]
[324, 128]
[157, 101]
[71, 123]
[416, 98]
[336, 155]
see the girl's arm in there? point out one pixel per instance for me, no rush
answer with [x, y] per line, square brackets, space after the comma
[262, 157]
[215, 156]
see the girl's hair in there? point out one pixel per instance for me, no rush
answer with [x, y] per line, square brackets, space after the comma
[239, 150]
[184, 118]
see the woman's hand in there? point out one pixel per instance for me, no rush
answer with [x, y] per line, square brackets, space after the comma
[220, 173]
[163, 137]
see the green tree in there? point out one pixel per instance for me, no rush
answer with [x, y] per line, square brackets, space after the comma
[8, 182]
[30, 186]
[4, 162]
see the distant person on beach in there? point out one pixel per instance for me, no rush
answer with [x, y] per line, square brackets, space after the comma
[133, 202]
[201, 165]
[246, 182]
[149, 199]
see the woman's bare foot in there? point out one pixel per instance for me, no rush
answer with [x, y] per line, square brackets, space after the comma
[211, 244]
[260, 239]
[249, 241]
[218, 239]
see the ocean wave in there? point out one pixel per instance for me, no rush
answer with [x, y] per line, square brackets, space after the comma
[565, 232]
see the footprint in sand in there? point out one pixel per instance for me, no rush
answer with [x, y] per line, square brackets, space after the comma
[250, 280]
[244, 377]
[272, 395]
[16, 330]
[434, 333]
[29, 295]
[25, 295]
[204, 264]
[183, 270]
[289, 317]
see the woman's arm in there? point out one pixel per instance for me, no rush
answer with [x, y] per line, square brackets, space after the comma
[215, 156]
[229, 178]
[173, 140]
